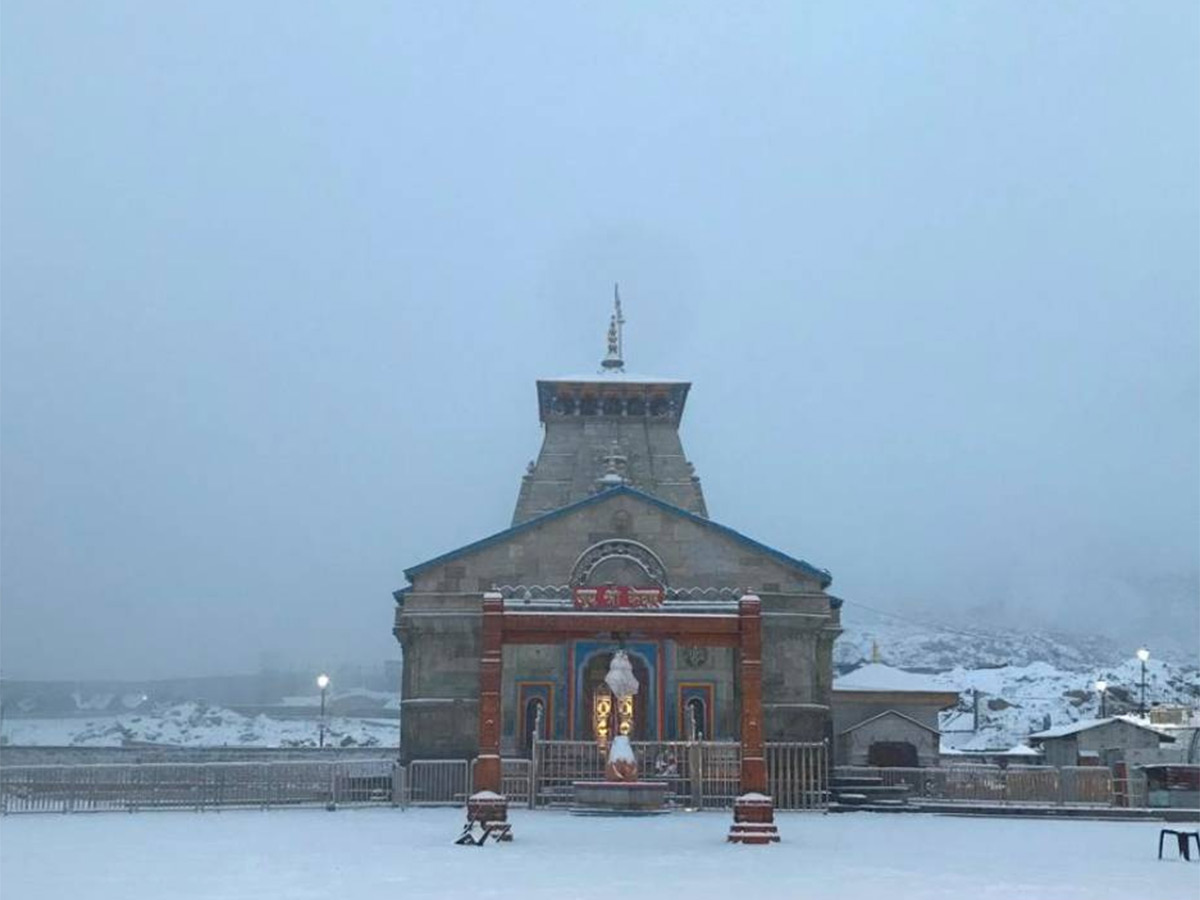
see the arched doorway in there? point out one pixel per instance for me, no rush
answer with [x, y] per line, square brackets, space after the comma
[695, 719]
[594, 687]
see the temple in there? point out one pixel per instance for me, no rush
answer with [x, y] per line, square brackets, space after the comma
[611, 547]
[611, 503]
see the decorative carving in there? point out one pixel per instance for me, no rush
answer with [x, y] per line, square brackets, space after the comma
[695, 657]
[639, 554]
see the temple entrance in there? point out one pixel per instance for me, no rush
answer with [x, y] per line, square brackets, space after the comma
[600, 702]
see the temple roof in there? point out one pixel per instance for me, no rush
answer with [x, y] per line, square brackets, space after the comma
[622, 490]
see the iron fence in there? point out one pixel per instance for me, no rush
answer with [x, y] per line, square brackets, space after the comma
[120, 786]
[798, 775]
[988, 784]
[438, 782]
[698, 774]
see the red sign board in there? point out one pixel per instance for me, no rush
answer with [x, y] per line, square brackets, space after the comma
[617, 596]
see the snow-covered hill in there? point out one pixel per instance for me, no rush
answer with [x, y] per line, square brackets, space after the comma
[197, 725]
[1023, 680]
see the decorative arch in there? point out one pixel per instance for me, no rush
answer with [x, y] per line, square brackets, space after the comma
[630, 552]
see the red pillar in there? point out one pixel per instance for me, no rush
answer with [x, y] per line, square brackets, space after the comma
[487, 767]
[753, 811]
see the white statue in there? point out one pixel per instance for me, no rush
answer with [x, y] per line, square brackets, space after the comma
[620, 677]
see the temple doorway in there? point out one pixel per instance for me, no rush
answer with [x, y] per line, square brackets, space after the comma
[600, 702]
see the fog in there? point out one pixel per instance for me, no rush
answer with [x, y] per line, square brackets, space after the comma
[278, 280]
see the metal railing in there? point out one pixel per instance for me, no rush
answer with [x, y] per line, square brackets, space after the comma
[798, 775]
[987, 784]
[438, 782]
[699, 774]
[120, 786]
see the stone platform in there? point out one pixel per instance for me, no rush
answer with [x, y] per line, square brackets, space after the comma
[619, 798]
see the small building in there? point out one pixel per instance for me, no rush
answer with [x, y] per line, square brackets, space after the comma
[1097, 741]
[883, 716]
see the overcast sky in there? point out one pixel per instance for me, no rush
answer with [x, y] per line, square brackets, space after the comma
[278, 280]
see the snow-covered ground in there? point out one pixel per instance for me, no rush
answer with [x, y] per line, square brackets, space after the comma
[197, 725]
[384, 854]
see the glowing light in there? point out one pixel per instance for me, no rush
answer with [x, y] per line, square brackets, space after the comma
[625, 716]
[602, 717]
[1102, 686]
[1143, 654]
[322, 681]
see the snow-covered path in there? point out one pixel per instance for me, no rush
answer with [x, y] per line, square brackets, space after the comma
[384, 854]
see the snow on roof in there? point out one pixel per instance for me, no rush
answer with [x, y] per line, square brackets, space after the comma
[1087, 724]
[878, 677]
[626, 377]
[1022, 750]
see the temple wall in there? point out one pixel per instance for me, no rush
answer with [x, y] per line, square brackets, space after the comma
[439, 625]
[694, 556]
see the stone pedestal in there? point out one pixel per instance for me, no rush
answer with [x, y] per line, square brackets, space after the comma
[619, 798]
[487, 806]
[753, 820]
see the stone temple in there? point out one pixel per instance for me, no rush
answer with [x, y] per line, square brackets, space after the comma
[610, 523]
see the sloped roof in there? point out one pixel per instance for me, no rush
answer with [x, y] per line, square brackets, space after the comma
[878, 677]
[1088, 724]
[621, 491]
[890, 712]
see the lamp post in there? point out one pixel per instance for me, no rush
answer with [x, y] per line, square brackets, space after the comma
[1143, 654]
[1102, 690]
[323, 684]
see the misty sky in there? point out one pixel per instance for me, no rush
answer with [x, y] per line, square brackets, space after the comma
[278, 280]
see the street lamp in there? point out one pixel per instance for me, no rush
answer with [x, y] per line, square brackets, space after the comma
[322, 683]
[1102, 690]
[1143, 654]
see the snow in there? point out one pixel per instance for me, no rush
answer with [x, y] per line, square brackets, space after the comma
[197, 725]
[878, 677]
[384, 854]
[620, 675]
[621, 750]
[1023, 750]
[610, 376]
[1087, 724]
[1021, 678]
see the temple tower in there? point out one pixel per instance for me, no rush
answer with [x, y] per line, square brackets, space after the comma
[608, 429]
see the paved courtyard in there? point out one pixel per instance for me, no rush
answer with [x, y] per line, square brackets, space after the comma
[385, 854]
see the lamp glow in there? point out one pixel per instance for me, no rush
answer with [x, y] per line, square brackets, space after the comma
[322, 681]
[1143, 654]
[1101, 686]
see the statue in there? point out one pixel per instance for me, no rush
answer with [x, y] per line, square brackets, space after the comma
[622, 763]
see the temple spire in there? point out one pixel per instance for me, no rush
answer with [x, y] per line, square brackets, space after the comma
[614, 358]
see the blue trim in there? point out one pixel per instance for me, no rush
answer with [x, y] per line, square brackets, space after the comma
[647, 651]
[620, 491]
